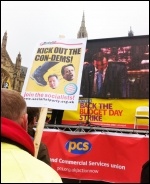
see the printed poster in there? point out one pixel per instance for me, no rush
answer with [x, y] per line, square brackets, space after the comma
[54, 78]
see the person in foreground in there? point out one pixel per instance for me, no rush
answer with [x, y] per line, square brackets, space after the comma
[18, 164]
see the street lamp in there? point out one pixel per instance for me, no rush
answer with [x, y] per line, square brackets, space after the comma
[14, 77]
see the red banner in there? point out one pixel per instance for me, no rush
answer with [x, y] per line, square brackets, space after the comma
[111, 157]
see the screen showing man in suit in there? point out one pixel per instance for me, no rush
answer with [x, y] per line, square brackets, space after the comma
[125, 70]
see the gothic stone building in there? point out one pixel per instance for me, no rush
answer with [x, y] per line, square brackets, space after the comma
[12, 75]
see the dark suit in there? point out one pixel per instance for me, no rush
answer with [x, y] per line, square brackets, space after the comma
[87, 80]
[115, 82]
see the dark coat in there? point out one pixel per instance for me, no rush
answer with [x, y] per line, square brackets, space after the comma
[87, 80]
[115, 82]
[145, 173]
[43, 153]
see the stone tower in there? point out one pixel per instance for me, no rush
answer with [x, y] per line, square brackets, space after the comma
[4, 41]
[12, 74]
[130, 33]
[82, 33]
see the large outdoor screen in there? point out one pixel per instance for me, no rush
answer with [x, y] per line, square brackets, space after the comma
[116, 68]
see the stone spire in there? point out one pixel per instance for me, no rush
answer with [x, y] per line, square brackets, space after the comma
[18, 61]
[130, 33]
[4, 41]
[82, 33]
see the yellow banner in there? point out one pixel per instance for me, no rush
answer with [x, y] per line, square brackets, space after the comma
[110, 112]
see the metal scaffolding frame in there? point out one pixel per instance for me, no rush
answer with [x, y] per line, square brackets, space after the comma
[88, 128]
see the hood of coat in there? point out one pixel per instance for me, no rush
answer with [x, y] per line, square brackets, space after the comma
[14, 132]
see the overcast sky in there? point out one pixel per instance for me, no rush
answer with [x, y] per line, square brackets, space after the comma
[28, 22]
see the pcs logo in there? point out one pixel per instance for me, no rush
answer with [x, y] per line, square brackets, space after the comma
[78, 146]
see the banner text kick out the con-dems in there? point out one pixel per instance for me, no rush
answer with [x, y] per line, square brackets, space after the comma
[50, 58]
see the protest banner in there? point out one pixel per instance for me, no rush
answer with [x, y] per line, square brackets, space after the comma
[53, 79]
[62, 59]
[98, 156]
